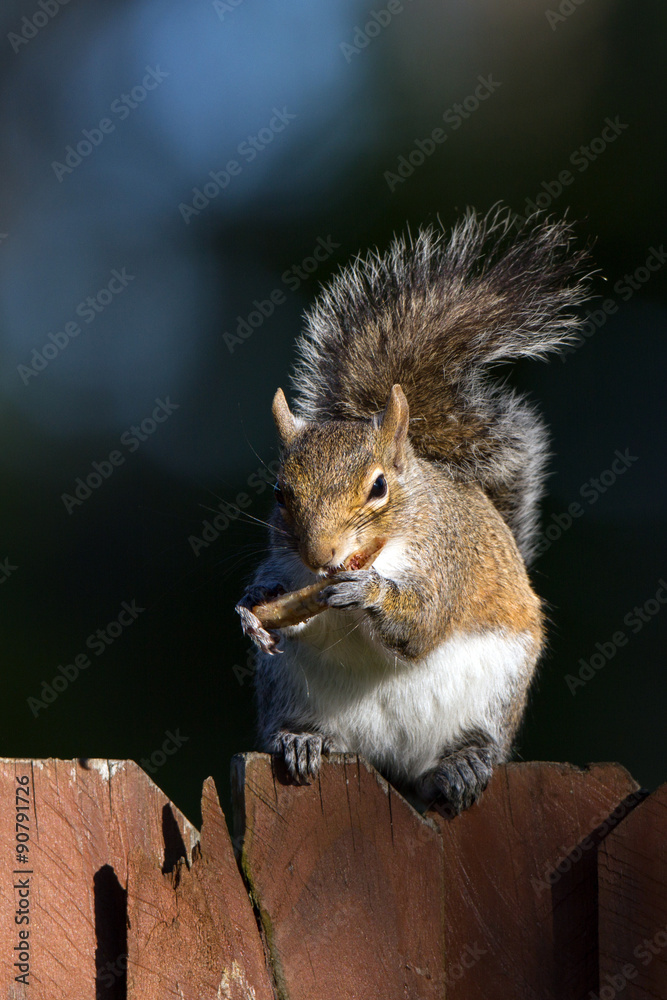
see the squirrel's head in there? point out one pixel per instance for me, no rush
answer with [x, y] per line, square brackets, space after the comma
[341, 482]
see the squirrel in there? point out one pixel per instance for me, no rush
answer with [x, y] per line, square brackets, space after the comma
[400, 441]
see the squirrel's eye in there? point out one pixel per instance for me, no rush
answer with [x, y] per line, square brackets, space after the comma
[279, 495]
[378, 489]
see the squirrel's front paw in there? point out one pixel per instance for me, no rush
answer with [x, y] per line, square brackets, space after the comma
[359, 588]
[265, 639]
[302, 754]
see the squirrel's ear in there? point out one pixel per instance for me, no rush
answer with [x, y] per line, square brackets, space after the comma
[395, 420]
[284, 418]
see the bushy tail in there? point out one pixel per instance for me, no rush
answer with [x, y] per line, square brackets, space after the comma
[433, 314]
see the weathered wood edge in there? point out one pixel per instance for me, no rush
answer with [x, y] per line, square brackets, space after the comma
[107, 769]
[632, 881]
[243, 837]
[239, 764]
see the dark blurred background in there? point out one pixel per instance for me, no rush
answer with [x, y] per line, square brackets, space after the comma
[147, 282]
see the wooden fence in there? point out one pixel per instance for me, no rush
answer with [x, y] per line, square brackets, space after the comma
[553, 886]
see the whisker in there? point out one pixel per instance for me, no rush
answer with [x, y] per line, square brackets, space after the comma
[247, 441]
[251, 517]
[207, 489]
[257, 455]
[327, 648]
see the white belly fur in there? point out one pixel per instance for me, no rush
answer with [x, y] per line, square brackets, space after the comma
[399, 714]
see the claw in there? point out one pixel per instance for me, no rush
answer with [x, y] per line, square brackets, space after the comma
[264, 639]
[302, 754]
[458, 780]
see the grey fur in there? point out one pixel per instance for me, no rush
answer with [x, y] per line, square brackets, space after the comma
[434, 314]
[422, 662]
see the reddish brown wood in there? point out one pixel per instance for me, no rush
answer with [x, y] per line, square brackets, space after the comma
[84, 819]
[517, 927]
[194, 934]
[632, 872]
[348, 880]
[359, 896]
[90, 826]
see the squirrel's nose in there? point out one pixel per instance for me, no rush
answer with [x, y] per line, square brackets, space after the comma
[320, 554]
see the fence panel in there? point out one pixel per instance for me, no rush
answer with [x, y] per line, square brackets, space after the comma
[516, 926]
[552, 887]
[632, 868]
[348, 880]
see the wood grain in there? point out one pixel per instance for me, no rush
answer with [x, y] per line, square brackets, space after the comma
[632, 872]
[348, 880]
[119, 887]
[515, 925]
[553, 886]
[84, 820]
[194, 933]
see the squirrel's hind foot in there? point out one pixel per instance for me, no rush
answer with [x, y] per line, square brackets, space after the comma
[302, 755]
[458, 780]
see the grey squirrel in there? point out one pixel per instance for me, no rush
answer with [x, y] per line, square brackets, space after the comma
[406, 501]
